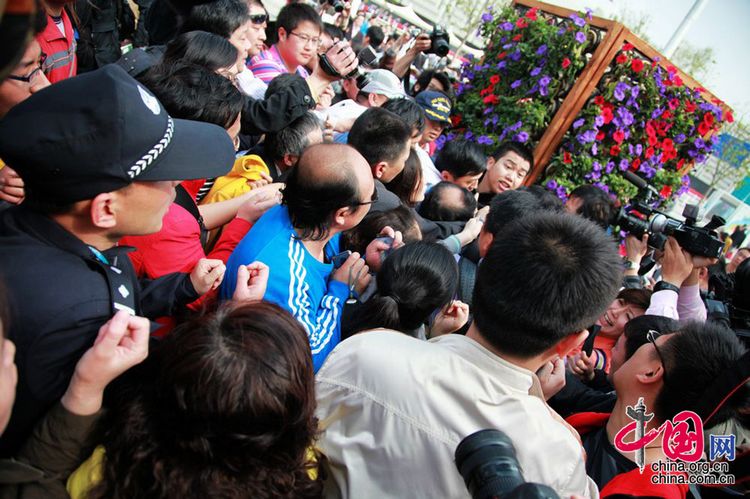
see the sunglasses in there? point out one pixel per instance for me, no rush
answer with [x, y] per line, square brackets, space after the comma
[259, 18]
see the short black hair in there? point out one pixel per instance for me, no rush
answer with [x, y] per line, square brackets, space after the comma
[547, 199]
[195, 93]
[201, 48]
[596, 204]
[221, 17]
[400, 219]
[293, 14]
[405, 183]
[424, 81]
[376, 35]
[546, 276]
[379, 135]
[438, 208]
[509, 206]
[292, 139]
[694, 357]
[461, 157]
[518, 148]
[636, 328]
[334, 31]
[408, 110]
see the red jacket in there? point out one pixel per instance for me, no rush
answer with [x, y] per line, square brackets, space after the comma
[60, 51]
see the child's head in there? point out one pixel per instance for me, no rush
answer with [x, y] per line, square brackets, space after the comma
[462, 163]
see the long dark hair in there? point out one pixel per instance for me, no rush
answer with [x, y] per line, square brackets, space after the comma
[228, 411]
[414, 281]
[405, 183]
[201, 48]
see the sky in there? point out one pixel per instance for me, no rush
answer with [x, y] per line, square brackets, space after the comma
[722, 24]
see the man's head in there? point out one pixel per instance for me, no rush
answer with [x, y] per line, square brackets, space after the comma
[383, 139]
[677, 371]
[447, 202]
[381, 86]
[26, 79]
[504, 209]
[740, 256]
[229, 19]
[507, 168]
[256, 32]
[545, 279]
[374, 36]
[411, 113]
[433, 80]
[204, 49]
[101, 150]
[591, 202]
[287, 145]
[462, 163]
[635, 335]
[329, 191]
[299, 29]
[437, 108]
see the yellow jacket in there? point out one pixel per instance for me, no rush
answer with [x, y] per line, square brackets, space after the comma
[233, 184]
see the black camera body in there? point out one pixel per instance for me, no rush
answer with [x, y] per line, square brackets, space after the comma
[640, 218]
[440, 41]
[337, 5]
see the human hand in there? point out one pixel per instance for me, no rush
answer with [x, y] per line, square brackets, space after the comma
[374, 253]
[264, 180]
[552, 377]
[207, 275]
[582, 365]
[11, 186]
[354, 273]
[326, 98]
[259, 201]
[451, 318]
[342, 59]
[421, 43]
[122, 342]
[636, 249]
[676, 264]
[328, 130]
[252, 281]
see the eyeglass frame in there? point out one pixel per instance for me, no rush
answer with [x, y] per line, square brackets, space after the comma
[306, 39]
[30, 76]
[651, 336]
[372, 200]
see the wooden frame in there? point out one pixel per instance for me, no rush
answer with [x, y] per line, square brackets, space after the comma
[616, 35]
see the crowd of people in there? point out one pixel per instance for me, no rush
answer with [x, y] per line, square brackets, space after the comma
[234, 263]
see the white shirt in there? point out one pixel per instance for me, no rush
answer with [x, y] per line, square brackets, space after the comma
[393, 409]
[430, 173]
[251, 85]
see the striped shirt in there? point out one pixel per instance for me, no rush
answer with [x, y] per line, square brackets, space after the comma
[268, 65]
[61, 62]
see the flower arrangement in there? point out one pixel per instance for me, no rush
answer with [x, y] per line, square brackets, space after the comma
[640, 117]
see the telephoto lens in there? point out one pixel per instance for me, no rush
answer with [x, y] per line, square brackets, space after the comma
[487, 462]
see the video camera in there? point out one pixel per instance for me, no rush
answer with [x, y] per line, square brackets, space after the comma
[488, 464]
[640, 218]
[440, 41]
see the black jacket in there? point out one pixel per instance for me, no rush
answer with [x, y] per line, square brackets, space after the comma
[278, 110]
[59, 296]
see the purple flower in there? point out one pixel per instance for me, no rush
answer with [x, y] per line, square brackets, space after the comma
[440, 142]
[486, 17]
[561, 31]
[624, 165]
[515, 55]
[657, 112]
[595, 150]
[589, 13]
[578, 123]
[545, 80]
[596, 166]
[610, 167]
[521, 137]
[541, 50]
[578, 20]
[635, 91]
[625, 116]
[680, 138]
[515, 126]
[551, 185]
[620, 90]
[485, 140]
[699, 143]
[516, 84]
[535, 71]
[543, 91]
[603, 187]
[692, 153]
[468, 135]
[506, 26]
[599, 120]
[701, 158]
[588, 136]
[638, 150]
[631, 149]
[580, 37]
[508, 46]
[501, 64]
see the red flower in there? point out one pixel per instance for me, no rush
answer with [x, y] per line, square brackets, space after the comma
[491, 99]
[667, 144]
[502, 55]
[680, 163]
[565, 63]
[700, 89]
[621, 59]
[521, 23]
[649, 151]
[494, 79]
[599, 100]
[667, 83]
[729, 117]
[703, 129]
[677, 81]
[531, 14]
[618, 136]
[650, 131]
[614, 151]
[690, 107]
[456, 119]
[708, 119]
[607, 115]
[674, 104]
[517, 38]
[567, 159]
[637, 65]
[600, 136]
[666, 115]
[666, 191]
[635, 164]
[627, 47]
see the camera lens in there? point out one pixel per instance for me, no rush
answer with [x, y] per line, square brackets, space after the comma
[487, 462]
[440, 47]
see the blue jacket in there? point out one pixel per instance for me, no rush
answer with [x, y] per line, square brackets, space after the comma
[297, 282]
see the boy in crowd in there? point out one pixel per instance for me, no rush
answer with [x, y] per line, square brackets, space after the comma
[437, 109]
[462, 163]
[506, 171]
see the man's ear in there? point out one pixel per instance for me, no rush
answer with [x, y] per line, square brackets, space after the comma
[446, 176]
[282, 34]
[340, 215]
[290, 160]
[372, 100]
[571, 341]
[103, 212]
[650, 372]
[379, 169]
[490, 162]
[485, 241]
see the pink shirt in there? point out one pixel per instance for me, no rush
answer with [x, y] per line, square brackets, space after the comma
[268, 65]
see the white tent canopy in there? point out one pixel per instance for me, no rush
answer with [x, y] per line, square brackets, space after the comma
[404, 12]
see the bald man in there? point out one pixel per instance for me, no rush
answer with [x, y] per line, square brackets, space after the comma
[329, 191]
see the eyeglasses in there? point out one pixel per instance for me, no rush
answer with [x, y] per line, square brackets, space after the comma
[259, 18]
[371, 201]
[35, 72]
[307, 39]
[651, 336]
